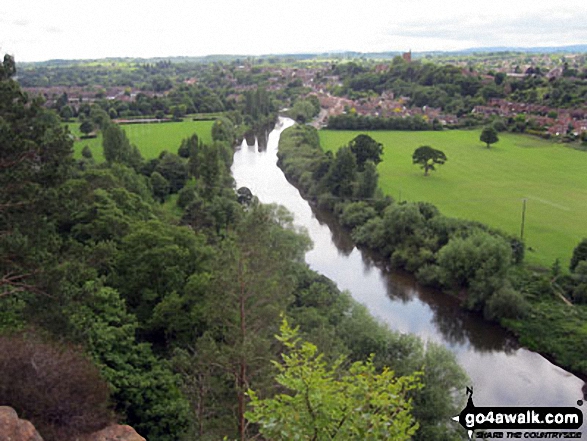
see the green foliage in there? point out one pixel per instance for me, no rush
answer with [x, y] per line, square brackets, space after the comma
[174, 170]
[342, 174]
[223, 130]
[489, 136]
[156, 260]
[478, 264]
[356, 214]
[86, 127]
[304, 110]
[579, 255]
[159, 185]
[325, 403]
[366, 149]
[367, 182]
[35, 158]
[489, 188]
[556, 329]
[145, 390]
[117, 147]
[427, 157]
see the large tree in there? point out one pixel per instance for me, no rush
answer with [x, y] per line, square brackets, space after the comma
[427, 157]
[366, 149]
[324, 402]
[489, 136]
[342, 173]
[35, 158]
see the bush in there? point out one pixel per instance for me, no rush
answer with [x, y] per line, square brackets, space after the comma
[506, 303]
[56, 388]
[429, 275]
[356, 214]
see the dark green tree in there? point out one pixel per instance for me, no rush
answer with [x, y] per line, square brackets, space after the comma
[366, 149]
[489, 136]
[367, 181]
[341, 177]
[86, 127]
[324, 403]
[173, 168]
[579, 254]
[159, 185]
[249, 290]
[116, 145]
[427, 158]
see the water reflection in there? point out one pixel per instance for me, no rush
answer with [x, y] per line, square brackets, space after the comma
[502, 373]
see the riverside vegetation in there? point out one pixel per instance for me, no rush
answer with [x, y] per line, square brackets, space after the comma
[483, 266]
[169, 317]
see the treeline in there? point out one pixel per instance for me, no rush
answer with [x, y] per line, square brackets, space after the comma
[480, 265]
[426, 84]
[457, 90]
[362, 122]
[176, 312]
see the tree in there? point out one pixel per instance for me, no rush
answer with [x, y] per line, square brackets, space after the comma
[325, 403]
[116, 145]
[160, 186]
[579, 254]
[173, 168]
[86, 127]
[427, 157]
[489, 136]
[367, 181]
[250, 286]
[342, 174]
[366, 149]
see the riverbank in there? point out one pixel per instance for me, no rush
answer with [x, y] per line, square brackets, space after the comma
[411, 237]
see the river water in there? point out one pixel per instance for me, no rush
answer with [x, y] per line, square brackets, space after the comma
[501, 372]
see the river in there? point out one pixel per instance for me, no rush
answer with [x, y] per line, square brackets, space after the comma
[501, 372]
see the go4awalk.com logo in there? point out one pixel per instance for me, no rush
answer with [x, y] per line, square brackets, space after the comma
[535, 422]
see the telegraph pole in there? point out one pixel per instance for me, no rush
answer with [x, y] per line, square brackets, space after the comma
[523, 218]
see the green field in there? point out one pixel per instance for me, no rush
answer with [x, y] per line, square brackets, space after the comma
[151, 139]
[489, 185]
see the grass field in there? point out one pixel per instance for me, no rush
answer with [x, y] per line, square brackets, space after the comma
[151, 139]
[489, 185]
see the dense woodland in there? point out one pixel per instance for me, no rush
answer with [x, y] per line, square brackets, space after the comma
[167, 316]
[168, 322]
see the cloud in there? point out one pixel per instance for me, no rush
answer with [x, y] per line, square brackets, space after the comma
[23, 22]
[53, 30]
[534, 28]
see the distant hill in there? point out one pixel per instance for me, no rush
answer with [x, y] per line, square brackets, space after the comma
[578, 48]
[541, 50]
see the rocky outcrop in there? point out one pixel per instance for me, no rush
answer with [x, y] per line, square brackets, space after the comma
[115, 433]
[13, 428]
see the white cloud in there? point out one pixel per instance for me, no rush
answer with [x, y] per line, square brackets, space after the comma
[38, 30]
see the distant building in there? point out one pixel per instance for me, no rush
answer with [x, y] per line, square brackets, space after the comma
[407, 56]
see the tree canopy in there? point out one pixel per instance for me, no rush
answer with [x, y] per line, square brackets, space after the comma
[428, 157]
[366, 149]
[489, 136]
[326, 403]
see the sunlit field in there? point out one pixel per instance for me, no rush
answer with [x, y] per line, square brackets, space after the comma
[151, 139]
[489, 185]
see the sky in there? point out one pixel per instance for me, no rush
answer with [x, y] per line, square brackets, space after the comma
[34, 30]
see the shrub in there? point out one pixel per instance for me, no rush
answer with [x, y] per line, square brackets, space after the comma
[56, 388]
[505, 303]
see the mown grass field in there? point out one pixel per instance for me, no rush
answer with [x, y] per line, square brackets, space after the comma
[151, 139]
[489, 185]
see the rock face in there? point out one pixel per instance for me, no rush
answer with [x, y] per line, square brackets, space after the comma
[115, 433]
[13, 428]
